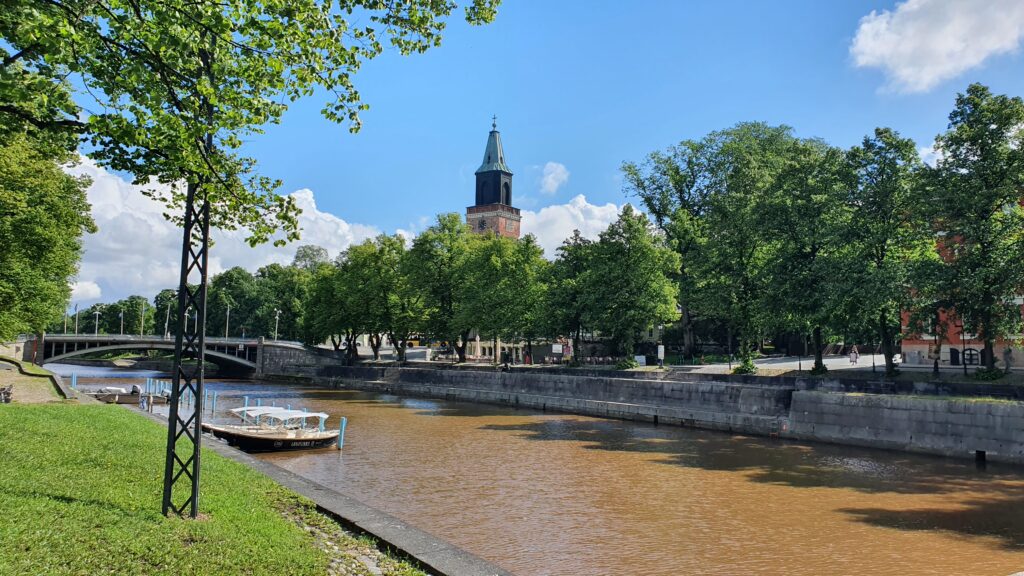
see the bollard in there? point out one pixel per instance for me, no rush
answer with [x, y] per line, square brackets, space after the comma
[288, 406]
[259, 402]
[213, 405]
[246, 399]
[341, 432]
[206, 397]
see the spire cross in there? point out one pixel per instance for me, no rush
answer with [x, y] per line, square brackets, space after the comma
[494, 122]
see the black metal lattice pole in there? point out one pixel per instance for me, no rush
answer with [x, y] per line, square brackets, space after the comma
[184, 430]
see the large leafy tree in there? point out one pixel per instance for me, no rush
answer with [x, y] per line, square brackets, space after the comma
[178, 85]
[43, 215]
[232, 304]
[629, 284]
[736, 253]
[673, 186]
[136, 313]
[803, 210]
[504, 288]
[437, 266]
[975, 192]
[565, 302]
[887, 240]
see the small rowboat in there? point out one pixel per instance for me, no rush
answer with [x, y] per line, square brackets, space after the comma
[117, 395]
[265, 429]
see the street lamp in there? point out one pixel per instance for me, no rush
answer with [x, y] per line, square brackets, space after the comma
[277, 318]
[167, 321]
[227, 321]
[76, 319]
[121, 316]
[96, 323]
[142, 322]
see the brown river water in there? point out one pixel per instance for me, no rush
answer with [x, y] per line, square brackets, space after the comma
[541, 493]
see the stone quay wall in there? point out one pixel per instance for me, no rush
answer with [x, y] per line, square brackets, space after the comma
[787, 408]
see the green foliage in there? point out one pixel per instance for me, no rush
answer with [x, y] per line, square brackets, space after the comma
[565, 302]
[504, 290]
[888, 240]
[628, 285]
[627, 364]
[43, 215]
[974, 192]
[746, 366]
[178, 86]
[437, 266]
[988, 374]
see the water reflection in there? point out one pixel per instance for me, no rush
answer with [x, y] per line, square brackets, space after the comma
[542, 493]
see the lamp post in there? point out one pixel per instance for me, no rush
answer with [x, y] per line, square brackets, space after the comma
[167, 321]
[277, 318]
[121, 316]
[96, 323]
[76, 319]
[142, 321]
[65, 321]
[227, 321]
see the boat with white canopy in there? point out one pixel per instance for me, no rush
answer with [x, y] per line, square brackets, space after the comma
[267, 428]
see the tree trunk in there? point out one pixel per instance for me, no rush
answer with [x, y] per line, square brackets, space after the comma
[990, 356]
[375, 342]
[888, 350]
[819, 363]
[689, 342]
[460, 349]
[335, 342]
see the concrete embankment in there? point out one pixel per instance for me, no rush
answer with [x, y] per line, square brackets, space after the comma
[918, 419]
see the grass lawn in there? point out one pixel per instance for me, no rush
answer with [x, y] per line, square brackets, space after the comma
[80, 492]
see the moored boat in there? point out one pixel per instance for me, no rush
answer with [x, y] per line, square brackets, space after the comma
[118, 395]
[267, 428]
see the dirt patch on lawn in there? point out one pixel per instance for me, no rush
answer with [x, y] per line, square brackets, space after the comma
[27, 389]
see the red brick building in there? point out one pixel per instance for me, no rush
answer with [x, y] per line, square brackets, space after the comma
[493, 209]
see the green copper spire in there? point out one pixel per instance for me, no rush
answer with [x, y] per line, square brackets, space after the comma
[494, 156]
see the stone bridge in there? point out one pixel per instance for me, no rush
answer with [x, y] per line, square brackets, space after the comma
[233, 356]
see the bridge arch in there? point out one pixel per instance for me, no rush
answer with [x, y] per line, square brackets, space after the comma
[222, 360]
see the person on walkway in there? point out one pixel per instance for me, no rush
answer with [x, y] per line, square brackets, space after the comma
[854, 355]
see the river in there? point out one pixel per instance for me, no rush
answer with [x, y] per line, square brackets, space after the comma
[540, 493]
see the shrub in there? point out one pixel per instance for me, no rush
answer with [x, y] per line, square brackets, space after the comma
[745, 367]
[986, 374]
[627, 364]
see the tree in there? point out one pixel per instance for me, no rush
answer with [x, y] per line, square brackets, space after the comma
[238, 290]
[628, 285]
[803, 211]
[43, 215]
[975, 192]
[674, 186]
[565, 305]
[437, 266]
[503, 288]
[887, 237]
[178, 85]
[375, 290]
[736, 252]
[309, 257]
[134, 310]
[280, 292]
[164, 303]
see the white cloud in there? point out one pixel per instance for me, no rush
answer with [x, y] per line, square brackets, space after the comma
[85, 291]
[924, 42]
[136, 251]
[930, 155]
[553, 224]
[554, 176]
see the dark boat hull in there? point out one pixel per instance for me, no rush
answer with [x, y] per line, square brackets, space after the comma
[257, 444]
[125, 398]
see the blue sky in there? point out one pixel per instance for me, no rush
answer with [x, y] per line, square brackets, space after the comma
[579, 87]
[589, 85]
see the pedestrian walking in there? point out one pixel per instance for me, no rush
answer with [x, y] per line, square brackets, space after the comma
[854, 355]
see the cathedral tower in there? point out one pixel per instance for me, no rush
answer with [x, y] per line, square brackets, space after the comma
[493, 209]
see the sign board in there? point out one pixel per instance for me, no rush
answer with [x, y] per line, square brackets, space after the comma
[556, 348]
[641, 360]
[661, 352]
